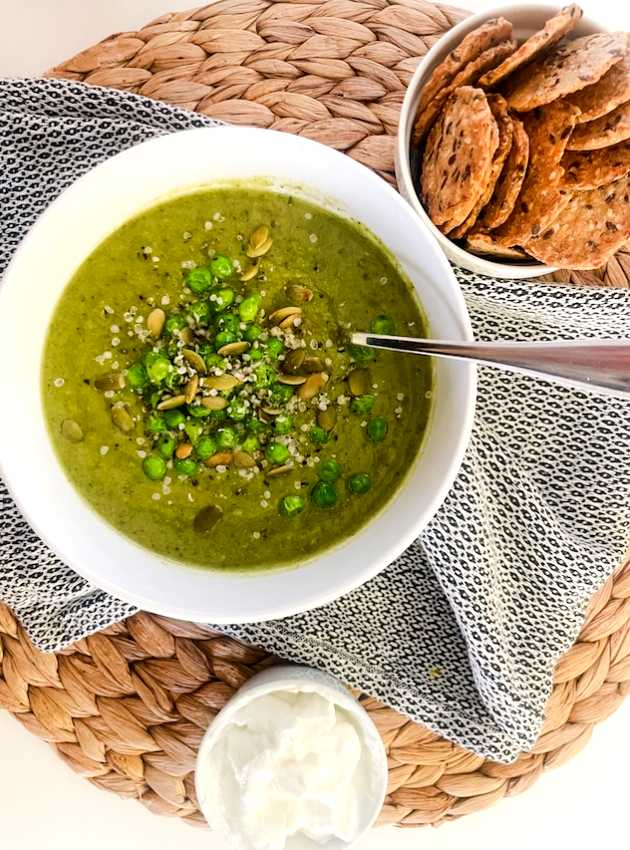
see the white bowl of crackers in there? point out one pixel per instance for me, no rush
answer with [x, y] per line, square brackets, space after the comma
[514, 141]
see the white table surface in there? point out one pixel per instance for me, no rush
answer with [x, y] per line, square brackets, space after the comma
[44, 804]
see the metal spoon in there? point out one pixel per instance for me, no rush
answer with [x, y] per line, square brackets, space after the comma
[601, 365]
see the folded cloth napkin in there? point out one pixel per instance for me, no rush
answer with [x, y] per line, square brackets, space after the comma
[463, 631]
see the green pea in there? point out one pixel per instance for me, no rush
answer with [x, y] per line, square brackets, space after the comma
[255, 354]
[223, 338]
[185, 466]
[250, 445]
[257, 426]
[222, 299]
[280, 394]
[329, 470]
[265, 376]
[174, 418]
[249, 307]
[154, 467]
[318, 436]
[174, 324]
[238, 409]
[383, 325]
[252, 333]
[229, 322]
[193, 429]
[226, 438]
[158, 366]
[155, 424]
[274, 348]
[137, 377]
[218, 415]
[283, 424]
[290, 506]
[359, 483]
[221, 266]
[324, 495]
[199, 280]
[173, 378]
[206, 447]
[377, 429]
[276, 452]
[200, 311]
[361, 353]
[166, 446]
[198, 411]
[362, 404]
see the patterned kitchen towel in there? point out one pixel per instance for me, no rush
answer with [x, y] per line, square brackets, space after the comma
[463, 631]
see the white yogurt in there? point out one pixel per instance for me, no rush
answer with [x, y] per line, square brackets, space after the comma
[290, 771]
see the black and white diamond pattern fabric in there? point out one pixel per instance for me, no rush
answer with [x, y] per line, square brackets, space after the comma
[463, 631]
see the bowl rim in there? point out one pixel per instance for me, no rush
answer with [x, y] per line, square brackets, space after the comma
[17, 481]
[470, 261]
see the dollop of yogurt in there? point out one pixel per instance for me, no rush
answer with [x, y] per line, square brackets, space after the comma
[286, 774]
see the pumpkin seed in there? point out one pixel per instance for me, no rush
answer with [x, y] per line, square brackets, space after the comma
[327, 419]
[207, 518]
[298, 293]
[219, 459]
[280, 470]
[194, 359]
[186, 335]
[243, 460]
[294, 360]
[183, 451]
[250, 273]
[155, 322]
[110, 381]
[290, 322]
[190, 390]
[292, 380]
[233, 348]
[272, 411]
[313, 385]
[283, 313]
[313, 364]
[260, 251]
[71, 430]
[122, 418]
[214, 402]
[172, 402]
[359, 381]
[220, 382]
[259, 236]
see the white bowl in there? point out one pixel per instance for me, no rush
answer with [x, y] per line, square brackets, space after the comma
[527, 19]
[305, 679]
[72, 227]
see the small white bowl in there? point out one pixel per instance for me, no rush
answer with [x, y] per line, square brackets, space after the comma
[527, 19]
[294, 678]
[72, 227]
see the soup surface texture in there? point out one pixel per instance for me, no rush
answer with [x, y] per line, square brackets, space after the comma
[200, 389]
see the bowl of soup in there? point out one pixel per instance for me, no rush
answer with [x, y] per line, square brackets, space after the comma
[199, 435]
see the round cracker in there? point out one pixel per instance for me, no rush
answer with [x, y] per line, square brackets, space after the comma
[606, 94]
[467, 76]
[458, 157]
[473, 44]
[499, 108]
[603, 132]
[479, 242]
[591, 169]
[590, 229]
[510, 181]
[553, 31]
[565, 69]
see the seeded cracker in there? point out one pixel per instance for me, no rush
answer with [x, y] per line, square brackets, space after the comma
[488, 35]
[591, 169]
[591, 228]
[510, 181]
[603, 132]
[479, 242]
[542, 195]
[606, 94]
[565, 69]
[458, 157]
[553, 31]
[499, 109]
[467, 76]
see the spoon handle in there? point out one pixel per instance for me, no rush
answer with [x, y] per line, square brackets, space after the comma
[589, 364]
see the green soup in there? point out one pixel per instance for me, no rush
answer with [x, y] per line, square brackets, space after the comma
[201, 392]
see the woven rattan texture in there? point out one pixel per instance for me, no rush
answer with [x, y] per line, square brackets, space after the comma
[128, 707]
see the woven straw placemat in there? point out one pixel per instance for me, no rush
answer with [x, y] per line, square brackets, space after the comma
[127, 708]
